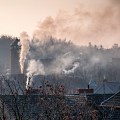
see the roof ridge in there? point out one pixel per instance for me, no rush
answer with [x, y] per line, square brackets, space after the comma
[109, 98]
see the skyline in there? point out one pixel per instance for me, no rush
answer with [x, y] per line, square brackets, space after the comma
[79, 21]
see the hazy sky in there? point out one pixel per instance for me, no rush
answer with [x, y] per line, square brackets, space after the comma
[23, 15]
[81, 21]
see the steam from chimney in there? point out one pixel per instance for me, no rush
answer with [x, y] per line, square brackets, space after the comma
[24, 41]
[34, 68]
[75, 66]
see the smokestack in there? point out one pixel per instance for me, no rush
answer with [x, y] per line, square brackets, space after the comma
[15, 49]
[88, 86]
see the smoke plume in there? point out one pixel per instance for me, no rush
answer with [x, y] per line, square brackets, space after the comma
[34, 68]
[24, 41]
[96, 21]
[92, 21]
[55, 55]
[75, 66]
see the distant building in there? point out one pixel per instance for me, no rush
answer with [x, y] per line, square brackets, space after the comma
[115, 46]
[111, 107]
[15, 50]
[108, 87]
[85, 91]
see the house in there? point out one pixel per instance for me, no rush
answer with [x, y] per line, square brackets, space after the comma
[108, 87]
[112, 104]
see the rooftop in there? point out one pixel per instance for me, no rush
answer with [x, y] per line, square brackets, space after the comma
[15, 43]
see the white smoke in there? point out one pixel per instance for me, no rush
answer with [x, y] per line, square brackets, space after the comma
[75, 66]
[34, 68]
[61, 62]
[29, 81]
[24, 41]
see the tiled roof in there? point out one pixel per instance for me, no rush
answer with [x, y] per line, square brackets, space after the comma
[115, 115]
[30, 106]
[21, 105]
[108, 88]
[113, 101]
[105, 100]
[97, 98]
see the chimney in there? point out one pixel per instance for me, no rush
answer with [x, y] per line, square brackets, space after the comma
[15, 50]
[88, 86]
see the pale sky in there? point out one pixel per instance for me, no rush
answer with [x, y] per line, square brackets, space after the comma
[82, 21]
[23, 15]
